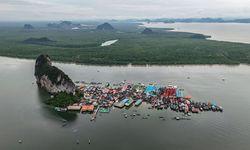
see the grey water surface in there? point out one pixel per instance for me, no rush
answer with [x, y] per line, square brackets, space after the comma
[23, 115]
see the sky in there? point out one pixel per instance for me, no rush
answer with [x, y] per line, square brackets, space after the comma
[121, 9]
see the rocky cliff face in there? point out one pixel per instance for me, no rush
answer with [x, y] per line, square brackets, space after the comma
[51, 78]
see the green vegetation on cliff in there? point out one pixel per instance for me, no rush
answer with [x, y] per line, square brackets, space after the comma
[63, 100]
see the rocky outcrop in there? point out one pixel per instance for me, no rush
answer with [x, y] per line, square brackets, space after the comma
[64, 25]
[28, 26]
[105, 26]
[51, 78]
[147, 31]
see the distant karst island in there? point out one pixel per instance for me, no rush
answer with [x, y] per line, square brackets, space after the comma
[64, 25]
[28, 27]
[105, 26]
[147, 31]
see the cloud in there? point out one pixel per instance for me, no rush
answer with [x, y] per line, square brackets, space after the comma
[120, 9]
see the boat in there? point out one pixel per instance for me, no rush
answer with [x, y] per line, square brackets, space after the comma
[74, 108]
[138, 102]
[119, 104]
[60, 109]
[104, 110]
[195, 110]
[220, 108]
[129, 102]
[20, 141]
[177, 118]
[125, 100]
[188, 97]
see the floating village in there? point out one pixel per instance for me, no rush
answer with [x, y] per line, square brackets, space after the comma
[100, 98]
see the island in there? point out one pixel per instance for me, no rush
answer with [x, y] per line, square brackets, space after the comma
[105, 26]
[28, 27]
[147, 31]
[51, 78]
[55, 82]
[94, 97]
[64, 25]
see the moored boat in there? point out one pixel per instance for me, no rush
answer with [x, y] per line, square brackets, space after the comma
[104, 110]
[119, 104]
[125, 100]
[129, 102]
[195, 110]
[138, 102]
[60, 109]
[74, 108]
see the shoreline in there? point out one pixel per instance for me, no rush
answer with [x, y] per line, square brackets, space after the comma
[166, 26]
[133, 49]
[129, 64]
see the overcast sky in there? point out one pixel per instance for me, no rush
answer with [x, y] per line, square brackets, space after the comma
[120, 9]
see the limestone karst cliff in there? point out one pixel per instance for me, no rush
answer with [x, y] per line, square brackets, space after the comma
[51, 78]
